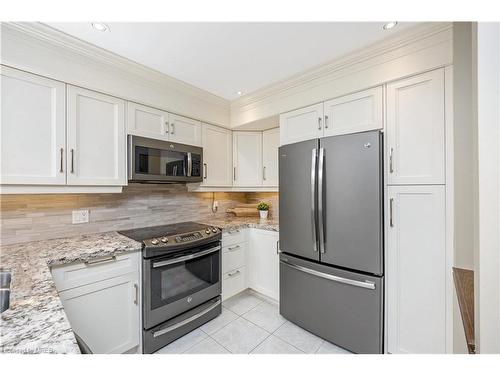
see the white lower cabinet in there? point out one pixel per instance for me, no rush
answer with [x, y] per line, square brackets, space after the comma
[263, 262]
[250, 260]
[416, 269]
[102, 302]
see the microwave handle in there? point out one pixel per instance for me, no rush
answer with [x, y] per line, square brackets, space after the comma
[190, 165]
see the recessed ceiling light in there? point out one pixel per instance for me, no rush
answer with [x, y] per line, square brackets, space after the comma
[99, 26]
[239, 93]
[390, 25]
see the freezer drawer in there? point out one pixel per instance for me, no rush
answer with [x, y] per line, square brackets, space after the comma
[343, 307]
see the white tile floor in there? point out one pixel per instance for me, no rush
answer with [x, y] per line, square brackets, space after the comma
[250, 323]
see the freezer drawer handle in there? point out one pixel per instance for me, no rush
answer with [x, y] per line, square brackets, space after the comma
[361, 284]
[186, 321]
[187, 257]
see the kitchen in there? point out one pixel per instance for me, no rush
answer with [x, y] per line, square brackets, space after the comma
[129, 197]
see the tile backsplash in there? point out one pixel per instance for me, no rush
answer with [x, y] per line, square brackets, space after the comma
[26, 218]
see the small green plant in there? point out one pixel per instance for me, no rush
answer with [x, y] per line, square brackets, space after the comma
[263, 206]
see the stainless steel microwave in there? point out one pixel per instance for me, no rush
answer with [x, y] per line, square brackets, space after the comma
[155, 161]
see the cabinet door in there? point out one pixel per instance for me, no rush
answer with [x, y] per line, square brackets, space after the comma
[33, 142]
[217, 155]
[185, 130]
[358, 112]
[416, 269]
[270, 144]
[146, 121]
[263, 263]
[96, 138]
[415, 130]
[301, 124]
[106, 314]
[247, 158]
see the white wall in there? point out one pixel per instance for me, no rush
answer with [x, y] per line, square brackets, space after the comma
[465, 160]
[487, 258]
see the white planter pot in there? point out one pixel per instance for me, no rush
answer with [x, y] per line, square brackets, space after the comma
[263, 214]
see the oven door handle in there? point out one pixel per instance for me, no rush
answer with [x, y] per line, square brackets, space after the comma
[186, 321]
[186, 257]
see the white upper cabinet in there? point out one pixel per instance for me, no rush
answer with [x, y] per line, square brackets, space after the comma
[217, 156]
[416, 130]
[358, 112]
[185, 130]
[96, 138]
[147, 122]
[416, 269]
[247, 158]
[270, 144]
[301, 124]
[33, 141]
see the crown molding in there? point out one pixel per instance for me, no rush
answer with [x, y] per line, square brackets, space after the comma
[324, 71]
[99, 55]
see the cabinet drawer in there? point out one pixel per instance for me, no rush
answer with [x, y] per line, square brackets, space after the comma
[82, 273]
[233, 256]
[233, 282]
[234, 236]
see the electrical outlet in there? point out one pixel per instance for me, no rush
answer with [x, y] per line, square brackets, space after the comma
[80, 216]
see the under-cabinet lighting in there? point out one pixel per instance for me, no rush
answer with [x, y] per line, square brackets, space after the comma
[390, 25]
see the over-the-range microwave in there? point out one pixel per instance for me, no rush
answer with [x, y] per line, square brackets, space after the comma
[156, 161]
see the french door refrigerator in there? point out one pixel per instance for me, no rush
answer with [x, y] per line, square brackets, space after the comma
[331, 238]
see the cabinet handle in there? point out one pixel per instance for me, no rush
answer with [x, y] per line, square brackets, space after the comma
[206, 171]
[100, 260]
[172, 131]
[391, 203]
[326, 122]
[234, 173]
[62, 158]
[166, 124]
[233, 248]
[319, 123]
[391, 169]
[231, 274]
[72, 161]
[264, 173]
[136, 295]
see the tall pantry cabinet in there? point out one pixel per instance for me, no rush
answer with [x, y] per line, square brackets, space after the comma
[415, 220]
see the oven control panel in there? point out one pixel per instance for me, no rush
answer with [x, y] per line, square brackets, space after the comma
[183, 238]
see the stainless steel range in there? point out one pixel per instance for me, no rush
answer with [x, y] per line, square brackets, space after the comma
[181, 280]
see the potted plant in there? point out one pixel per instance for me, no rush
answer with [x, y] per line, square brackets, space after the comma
[263, 208]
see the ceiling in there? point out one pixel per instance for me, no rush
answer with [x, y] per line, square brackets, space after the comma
[224, 58]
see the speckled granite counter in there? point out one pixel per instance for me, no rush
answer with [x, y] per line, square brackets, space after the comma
[232, 223]
[36, 322]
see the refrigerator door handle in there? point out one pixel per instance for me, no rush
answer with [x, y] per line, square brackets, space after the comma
[362, 284]
[321, 231]
[313, 198]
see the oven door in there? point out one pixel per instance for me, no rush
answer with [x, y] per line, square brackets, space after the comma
[177, 283]
[152, 160]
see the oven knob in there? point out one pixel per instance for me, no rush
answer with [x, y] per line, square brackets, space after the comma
[214, 229]
[164, 239]
[207, 231]
[154, 241]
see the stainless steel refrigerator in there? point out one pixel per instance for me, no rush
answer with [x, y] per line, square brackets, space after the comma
[331, 238]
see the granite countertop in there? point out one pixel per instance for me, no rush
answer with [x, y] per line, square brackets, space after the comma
[233, 222]
[36, 321]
